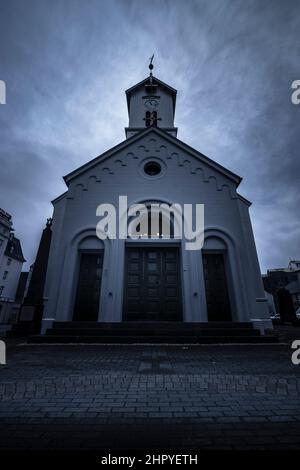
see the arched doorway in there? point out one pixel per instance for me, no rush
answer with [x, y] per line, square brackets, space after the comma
[88, 290]
[216, 279]
[152, 277]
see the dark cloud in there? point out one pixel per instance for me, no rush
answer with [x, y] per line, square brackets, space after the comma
[67, 63]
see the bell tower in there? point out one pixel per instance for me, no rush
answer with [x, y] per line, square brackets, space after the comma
[151, 102]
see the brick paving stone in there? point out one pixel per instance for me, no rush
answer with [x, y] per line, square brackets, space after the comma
[97, 397]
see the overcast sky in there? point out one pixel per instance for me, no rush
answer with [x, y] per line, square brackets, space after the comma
[66, 65]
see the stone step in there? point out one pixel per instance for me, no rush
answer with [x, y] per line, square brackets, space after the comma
[163, 339]
[134, 331]
[158, 324]
[152, 332]
[20, 330]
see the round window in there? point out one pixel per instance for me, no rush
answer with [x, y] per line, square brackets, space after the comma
[152, 168]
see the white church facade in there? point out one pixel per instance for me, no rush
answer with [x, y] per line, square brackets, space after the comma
[153, 279]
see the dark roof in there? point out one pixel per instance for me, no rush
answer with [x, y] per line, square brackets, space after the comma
[14, 250]
[5, 215]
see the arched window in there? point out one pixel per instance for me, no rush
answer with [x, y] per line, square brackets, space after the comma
[154, 118]
[158, 225]
[151, 118]
[147, 118]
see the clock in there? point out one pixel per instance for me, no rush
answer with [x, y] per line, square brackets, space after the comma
[151, 104]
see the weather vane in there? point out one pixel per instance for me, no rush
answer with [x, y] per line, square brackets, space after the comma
[151, 68]
[151, 60]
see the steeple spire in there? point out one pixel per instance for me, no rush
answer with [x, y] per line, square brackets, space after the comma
[151, 102]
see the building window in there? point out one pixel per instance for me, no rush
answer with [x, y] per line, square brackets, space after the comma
[154, 118]
[152, 168]
[5, 275]
[151, 118]
[8, 261]
[1, 242]
[1, 289]
[163, 227]
[147, 118]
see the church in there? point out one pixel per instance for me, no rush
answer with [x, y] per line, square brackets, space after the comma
[153, 279]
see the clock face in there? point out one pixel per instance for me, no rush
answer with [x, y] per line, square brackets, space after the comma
[151, 104]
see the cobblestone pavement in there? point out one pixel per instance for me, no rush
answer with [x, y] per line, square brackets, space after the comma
[149, 397]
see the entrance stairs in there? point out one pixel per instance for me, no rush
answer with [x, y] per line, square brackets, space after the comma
[132, 332]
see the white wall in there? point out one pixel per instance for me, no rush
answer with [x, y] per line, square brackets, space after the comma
[138, 110]
[184, 179]
[11, 282]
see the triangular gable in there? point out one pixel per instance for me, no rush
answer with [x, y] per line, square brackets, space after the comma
[206, 160]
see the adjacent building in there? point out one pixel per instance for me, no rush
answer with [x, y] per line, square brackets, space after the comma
[288, 278]
[11, 262]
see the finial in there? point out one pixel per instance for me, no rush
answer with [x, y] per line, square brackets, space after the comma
[151, 65]
[49, 222]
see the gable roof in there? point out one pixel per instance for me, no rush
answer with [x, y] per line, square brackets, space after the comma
[13, 250]
[61, 196]
[148, 130]
[144, 82]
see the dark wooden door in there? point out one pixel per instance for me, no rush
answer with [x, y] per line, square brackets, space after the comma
[88, 287]
[152, 288]
[216, 289]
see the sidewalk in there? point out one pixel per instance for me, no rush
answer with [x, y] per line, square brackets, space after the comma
[149, 397]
